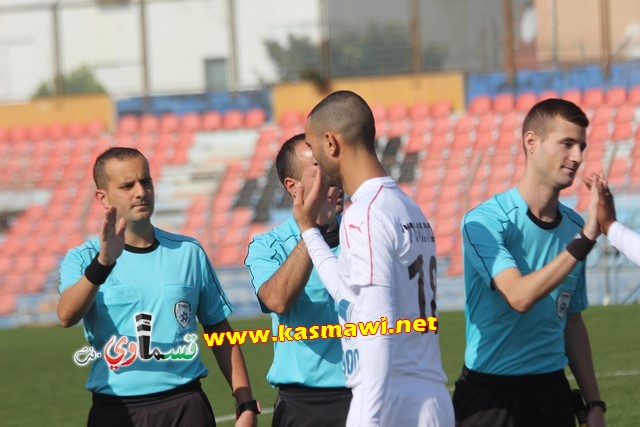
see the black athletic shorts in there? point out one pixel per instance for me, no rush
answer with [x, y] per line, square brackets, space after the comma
[186, 405]
[513, 401]
[298, 406]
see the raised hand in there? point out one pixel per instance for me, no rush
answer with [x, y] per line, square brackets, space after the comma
[308, 203]
[606, 206]
[111, 237]
[591, 227]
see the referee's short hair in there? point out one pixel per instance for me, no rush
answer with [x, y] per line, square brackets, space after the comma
[538, 119]
[285, 160]
[119, 153]
[347, 114]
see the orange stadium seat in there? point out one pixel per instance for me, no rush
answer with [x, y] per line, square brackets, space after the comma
[17, 134]
[397, 128]
[190, 122]
[633, 97]
[420, 127]
[479, 105]
[601, 115]
[419, 110]
[149, 123]
[616, 96]
[622, 132]
[76, 130]
[618, 172]
[503, 103]
[415, 144]
[441, 126]
[233, 119]
[486, 124]
[510, 122]
[290, 118]
[397, 112]
[438, 143]
[525, 101]
[128, 124]
[254, 118]
[573, 95]
[37, 132]
[169, 122]
[598, 134]
[379, 113]
[592, 98]
[464, 125]
[211, 121]
[441, 109]
[547, 94]
[624, 114]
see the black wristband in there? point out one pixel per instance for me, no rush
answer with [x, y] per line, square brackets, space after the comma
[251, 405]
[580, 246]
[598, 404]
[97, 273]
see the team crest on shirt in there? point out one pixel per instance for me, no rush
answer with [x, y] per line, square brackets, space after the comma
[182, 311]
[562, 303]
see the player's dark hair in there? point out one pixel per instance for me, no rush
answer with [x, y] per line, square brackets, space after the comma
[346, 113]
[119, 153]
[538, 119]
[285, 160]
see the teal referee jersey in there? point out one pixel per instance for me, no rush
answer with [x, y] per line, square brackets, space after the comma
[311, 363]
[499, 234]
[142, 324]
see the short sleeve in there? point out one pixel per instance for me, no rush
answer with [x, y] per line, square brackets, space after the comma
[483, 235]
[73, 265]
[263, 262]
[213, 306]
[371, 248]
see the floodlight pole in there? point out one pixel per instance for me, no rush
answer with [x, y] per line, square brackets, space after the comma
[146, 90]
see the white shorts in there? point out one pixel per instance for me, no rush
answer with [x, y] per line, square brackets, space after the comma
[409, 402]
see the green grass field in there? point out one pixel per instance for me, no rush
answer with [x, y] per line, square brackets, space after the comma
[41, 385]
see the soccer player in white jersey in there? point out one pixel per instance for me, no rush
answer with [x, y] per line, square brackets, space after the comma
[385, 269]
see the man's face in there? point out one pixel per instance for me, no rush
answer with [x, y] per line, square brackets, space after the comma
[559, 155]
[307, 168]
[129, 189]
[327, 166]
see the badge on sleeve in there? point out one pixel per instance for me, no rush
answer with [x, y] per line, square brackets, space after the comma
[562, 303]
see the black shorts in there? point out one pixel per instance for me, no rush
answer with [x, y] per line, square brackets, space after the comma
[298, 406]
[513, 401]
[186, 405]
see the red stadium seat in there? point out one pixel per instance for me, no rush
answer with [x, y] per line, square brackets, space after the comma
[503, 103]
[548, 94]
[419, 110]
[149, 123]
[618, 172]
[290, 119]
[525, 101]
[37, 132]
[624, 114]
[379, 113]
[464, 125]
[415, 144]
[17, 134]
[592, 98]
[622, 132]
[479, 105]
[397, 112]
[633, 97]
[616, 96]
[441, 126]
[233, 119]
[254, 118]
[573, 95]
[191, 122]
[486, 124]
[440, 109]
[76, 130]
[128, 124]
[601, 116]
[169, 122]
[211, 121]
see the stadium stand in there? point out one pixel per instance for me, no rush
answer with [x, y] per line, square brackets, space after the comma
[449, 161]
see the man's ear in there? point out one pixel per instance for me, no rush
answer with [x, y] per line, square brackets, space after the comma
[290, 186]
[530, 142]
[101, 197]
[332, 144]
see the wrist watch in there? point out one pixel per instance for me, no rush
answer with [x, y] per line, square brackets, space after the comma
[597, 403]
[250, 405]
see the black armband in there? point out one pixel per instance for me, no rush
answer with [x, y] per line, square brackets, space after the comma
[580, 246]
[97, 273]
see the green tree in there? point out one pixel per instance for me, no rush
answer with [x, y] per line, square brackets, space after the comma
[294, 59]
[80, 80]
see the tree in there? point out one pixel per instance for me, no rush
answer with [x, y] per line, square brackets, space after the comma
[81, 80]
[379, 49]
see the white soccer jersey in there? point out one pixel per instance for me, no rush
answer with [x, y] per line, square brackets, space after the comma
[386, 268]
